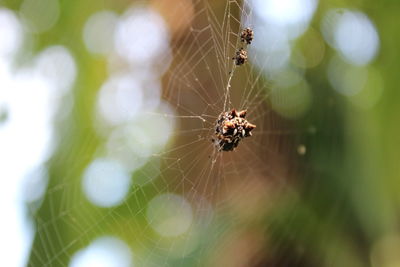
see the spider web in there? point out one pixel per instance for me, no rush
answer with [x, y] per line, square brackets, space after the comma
[203, 83]
[224, 190]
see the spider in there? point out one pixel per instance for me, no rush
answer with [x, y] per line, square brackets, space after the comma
[247, 36]
[231, 127]
[241, 57]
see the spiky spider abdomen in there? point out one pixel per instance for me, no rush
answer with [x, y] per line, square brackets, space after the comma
[241, 57]
[247, 36]
[231, 127]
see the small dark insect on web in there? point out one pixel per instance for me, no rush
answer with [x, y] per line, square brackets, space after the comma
[231, 126]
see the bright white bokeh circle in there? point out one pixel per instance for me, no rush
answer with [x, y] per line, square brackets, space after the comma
[106, 251]
[106, 182]
[270, 51]
[352, 34]
[10, 32]
[57, 65]
[291, 17]
[141, 36]
[119, 99]
[285, 12]
[356, 38]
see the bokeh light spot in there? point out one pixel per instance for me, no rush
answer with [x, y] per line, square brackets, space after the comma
[132, 144]
[312, 50]
[57, 65]
[372, 91]
[106, 182]
[39, 15]
[148, 172]
[141, 36]
[290, 16]
[286, 11]
[287, 78]
[106, 251]
[10, 32]
[98, 32]
[35, 184]
[292, 102]
[270, 51]
[169, 215]
[353, 34]
[119, 99]
[345, 78]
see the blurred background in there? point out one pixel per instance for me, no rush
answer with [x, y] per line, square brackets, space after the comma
[107, 109]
